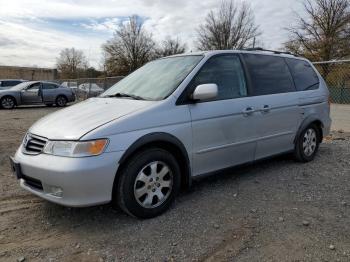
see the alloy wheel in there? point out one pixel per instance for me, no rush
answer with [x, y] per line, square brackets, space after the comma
[309, 142]
[7, 103]
[61, 101]
[153, 184]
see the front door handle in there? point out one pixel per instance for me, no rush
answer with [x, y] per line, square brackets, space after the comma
[266, 109]
[248, 111]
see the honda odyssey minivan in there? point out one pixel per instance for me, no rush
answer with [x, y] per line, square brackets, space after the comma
[171, 121]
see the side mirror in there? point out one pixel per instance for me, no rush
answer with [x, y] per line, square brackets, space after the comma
[205, 92]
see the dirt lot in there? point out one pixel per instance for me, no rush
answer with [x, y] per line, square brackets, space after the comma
[276, 210]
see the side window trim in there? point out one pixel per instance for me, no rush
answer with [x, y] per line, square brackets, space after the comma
[291, 74]
[184, 97]
[247, 76]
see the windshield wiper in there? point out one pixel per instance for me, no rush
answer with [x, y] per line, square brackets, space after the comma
[126, 95]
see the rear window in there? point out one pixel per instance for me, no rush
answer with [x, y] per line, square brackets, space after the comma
[269, 74]
[305, 78]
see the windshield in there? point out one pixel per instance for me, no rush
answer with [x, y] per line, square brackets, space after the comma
[20, 86]
[157, 79]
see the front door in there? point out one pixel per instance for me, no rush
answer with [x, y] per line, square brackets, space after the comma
[223, 128]
[31, 94]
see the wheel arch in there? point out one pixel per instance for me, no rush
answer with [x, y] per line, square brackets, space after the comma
[167, 142]
[312, 119]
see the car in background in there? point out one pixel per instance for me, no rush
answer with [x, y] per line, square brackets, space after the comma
[90, 89]
[71, 84]
[36, 92]
[8, 83]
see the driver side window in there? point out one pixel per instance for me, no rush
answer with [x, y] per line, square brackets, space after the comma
[34, 87]
[225, 71]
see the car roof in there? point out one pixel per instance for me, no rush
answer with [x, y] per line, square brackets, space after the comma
[46, 82]
[247, 51]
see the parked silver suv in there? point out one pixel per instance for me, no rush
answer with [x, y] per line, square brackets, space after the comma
[171, 121]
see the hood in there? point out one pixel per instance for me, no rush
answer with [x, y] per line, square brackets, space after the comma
[75, 121]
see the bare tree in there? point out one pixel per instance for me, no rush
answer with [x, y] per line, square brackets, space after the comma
[129, 49]
[170, 47]
[71, 62]
[324, 34]
[231, 27]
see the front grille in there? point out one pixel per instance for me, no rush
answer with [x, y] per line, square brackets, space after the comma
[33, 144]
[32, 182]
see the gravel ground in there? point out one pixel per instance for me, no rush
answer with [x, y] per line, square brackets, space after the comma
[275, 210]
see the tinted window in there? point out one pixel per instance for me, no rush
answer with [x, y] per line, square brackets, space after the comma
[305, 78]
[10, 83]
[269, 74]
[34, 86]
[49, 86]
[225, 71]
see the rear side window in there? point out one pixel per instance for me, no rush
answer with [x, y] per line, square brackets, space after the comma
[225, 71]
[49, 86]
[269, 74]
[305, 78]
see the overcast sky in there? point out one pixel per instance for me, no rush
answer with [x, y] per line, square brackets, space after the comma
[32, 32]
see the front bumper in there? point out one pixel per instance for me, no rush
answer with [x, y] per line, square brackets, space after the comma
[83, 181]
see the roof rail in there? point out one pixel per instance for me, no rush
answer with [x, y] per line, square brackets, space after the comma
[267, 50]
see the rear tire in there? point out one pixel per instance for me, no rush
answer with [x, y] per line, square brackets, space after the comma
[148, 183]
[61, 101]
[7, 102]
[307, 144]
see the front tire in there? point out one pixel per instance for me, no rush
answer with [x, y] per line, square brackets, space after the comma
[148, 183]
[307, 144]
[7, 102]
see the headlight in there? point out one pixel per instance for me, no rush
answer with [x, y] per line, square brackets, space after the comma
[75, 149]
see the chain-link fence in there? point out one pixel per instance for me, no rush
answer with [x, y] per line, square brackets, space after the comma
[89, 87]
[337, 76]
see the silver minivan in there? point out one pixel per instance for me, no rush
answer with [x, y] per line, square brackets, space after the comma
[172, 121]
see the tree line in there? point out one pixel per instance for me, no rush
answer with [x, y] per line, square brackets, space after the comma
[322, 34]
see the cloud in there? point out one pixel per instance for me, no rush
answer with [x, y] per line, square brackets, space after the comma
[108, 24]
[34, 31]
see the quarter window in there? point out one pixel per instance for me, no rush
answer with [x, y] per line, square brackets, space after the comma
[225, 71]
[305, 78]
[269, 74]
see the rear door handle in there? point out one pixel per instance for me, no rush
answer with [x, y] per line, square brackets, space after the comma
[266, 109]
[248, 111]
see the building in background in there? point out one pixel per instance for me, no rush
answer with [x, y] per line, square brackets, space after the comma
[27, 73]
